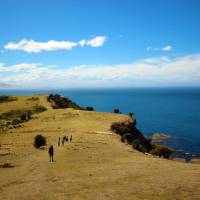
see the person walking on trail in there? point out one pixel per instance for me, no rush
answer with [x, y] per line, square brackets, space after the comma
[51, 153]
[59, 141]
[66, 139]
[70, 138]
[63, 141]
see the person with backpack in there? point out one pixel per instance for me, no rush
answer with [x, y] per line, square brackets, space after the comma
[70, 138]
[59, 141]
[51, 153]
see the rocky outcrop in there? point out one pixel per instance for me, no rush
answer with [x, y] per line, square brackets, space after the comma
[133, 136]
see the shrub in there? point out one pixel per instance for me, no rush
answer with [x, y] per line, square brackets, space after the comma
[57, 101]
[127, 137]
[89, 108]
[4, 98]
[130, 133]
[38, 109]
[23, 117]
[161, 150]
[116, 110]
[140, 146]
[39, 141]
[131, 115]
[123, 127]
[13, 114]
[15, 121]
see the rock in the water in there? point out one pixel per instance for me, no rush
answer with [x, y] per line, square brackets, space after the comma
[158, 137]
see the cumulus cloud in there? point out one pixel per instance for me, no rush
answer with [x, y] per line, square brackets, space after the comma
[32, 46]
[82, 43]
[160, 71]
[165, 48]
[97, 41]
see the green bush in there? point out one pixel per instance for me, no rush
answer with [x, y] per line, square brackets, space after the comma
[129, 133]
[161, 150]
[15, 121]
[116, 110]
[13, 114]
[89, 108]
[23, 117]
[22, 114]
[140, 146]
[4, 98]
[39, 141]
[127, 137]
[57, 101]
[123, 127]
[38, 109]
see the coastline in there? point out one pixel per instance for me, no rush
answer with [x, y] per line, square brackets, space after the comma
[86, 98]
[84, 165]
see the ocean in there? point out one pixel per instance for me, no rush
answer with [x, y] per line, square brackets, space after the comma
[172, 111]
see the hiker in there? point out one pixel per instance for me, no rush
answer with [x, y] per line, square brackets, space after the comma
[66, 138]
[70, 138]
[51, 152]
[59, 141]
[63, 141]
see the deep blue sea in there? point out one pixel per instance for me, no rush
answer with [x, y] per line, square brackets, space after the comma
[173, 111]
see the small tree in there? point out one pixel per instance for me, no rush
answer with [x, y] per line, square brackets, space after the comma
[39, 141]
[89, 108]
[116, 110]
[131, 115]
[23, 117]
[15, 121]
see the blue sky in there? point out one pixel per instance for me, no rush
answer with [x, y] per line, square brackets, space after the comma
[124, 43]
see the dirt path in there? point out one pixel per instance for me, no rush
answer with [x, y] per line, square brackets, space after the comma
[89, 168]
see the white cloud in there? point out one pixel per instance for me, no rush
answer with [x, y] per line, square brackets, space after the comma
[160, 71]
[165, 48]
[82, 42]
[32, 46]
[97, 41]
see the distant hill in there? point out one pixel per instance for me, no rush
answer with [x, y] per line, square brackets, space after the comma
[6, 86]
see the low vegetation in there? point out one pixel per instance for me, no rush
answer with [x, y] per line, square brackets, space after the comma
[129, 133]
[89, 108]
[14, 117]
[4, 98]
[161, 151]
[133, 136]
[39, 141]
[117, 111]
[38, 109]
[57, 101]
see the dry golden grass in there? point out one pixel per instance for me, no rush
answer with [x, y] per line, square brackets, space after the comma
[95, 165]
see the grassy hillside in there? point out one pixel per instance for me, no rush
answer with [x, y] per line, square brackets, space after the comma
[95, 165]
